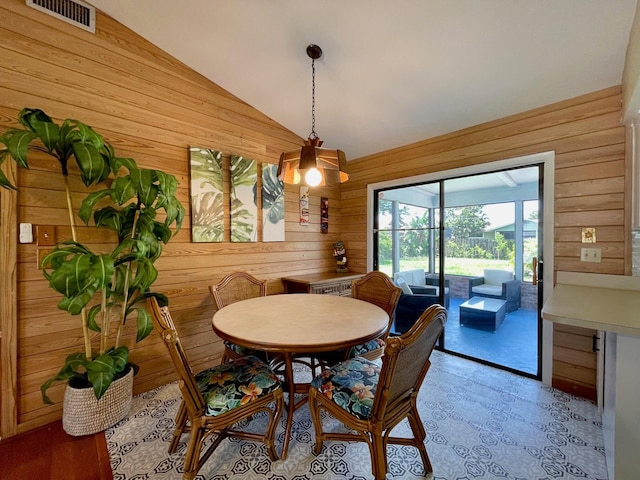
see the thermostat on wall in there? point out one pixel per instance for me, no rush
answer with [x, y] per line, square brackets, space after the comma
[26, 233]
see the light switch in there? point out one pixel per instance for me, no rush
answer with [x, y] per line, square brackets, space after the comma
[26, 233]
[593, 255]
[597, 255]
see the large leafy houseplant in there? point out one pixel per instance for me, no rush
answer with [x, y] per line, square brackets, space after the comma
[103, 289]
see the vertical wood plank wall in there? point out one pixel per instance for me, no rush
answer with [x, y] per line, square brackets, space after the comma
[151, 108]
[589, 144]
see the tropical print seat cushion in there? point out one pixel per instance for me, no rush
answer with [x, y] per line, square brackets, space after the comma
[235, 383]
[371, 345]
[244, 351]
[351, 385]
[337, 355]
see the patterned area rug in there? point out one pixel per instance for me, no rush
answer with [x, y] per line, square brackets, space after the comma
[481, 423]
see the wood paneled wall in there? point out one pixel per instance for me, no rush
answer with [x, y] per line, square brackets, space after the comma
[8, 307]
[151, 108]
[589, 144]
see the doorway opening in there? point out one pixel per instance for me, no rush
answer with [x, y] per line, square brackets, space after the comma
[472, 243]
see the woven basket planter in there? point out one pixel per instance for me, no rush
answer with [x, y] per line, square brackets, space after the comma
[83, 414]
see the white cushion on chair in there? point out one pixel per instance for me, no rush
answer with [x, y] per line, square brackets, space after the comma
[402, 283]
[493, 290]
[436, 290]
[497, 277]
[412, 277]
[493, 280]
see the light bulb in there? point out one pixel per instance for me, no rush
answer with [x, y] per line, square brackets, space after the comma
[296, 177]
[313, 177]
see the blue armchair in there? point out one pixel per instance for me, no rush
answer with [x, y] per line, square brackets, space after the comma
[415, 299]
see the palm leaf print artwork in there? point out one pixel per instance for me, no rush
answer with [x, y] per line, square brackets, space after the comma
[244, 206]
[272, 204]
[207, 202]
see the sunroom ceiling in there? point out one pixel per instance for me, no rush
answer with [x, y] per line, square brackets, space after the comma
[495, 187]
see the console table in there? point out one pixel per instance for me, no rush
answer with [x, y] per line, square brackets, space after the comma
[330, 283]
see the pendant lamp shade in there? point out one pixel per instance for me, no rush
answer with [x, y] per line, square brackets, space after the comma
[297, 166]
[311, 165]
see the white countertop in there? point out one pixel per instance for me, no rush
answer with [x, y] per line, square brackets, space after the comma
[600, 302]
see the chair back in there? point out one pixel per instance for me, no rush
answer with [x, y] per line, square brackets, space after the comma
[497, 277]
[235, 287]
[406, 361]
[163, 324]
[377, 288]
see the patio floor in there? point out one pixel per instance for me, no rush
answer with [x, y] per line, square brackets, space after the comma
[513, 345]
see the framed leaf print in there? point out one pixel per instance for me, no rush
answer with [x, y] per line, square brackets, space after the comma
[272, 204]
[207, 201]
[243, 197]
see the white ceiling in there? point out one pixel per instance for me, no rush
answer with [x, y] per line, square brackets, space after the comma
[393, 72]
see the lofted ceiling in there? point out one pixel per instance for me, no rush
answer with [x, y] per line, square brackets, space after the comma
[392, 72]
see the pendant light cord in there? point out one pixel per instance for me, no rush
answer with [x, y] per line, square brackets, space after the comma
[313, 133]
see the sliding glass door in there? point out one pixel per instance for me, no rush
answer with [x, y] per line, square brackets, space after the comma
[488, 227]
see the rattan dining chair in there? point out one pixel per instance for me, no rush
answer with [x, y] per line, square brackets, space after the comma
[215, 399]
[371, 399]
[232, 288]
[377, 288]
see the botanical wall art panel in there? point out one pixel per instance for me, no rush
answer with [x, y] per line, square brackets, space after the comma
[304, 205]
[272, 204]
[244, 206]
[207, 202]
[324, 215]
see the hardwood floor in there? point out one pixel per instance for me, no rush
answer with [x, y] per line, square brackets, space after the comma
[48, 453]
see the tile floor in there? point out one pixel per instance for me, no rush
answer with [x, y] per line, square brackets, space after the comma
[481, 422]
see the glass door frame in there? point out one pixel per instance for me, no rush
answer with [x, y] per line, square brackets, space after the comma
[547, 159]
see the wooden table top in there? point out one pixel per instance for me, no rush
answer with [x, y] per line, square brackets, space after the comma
[300, 322]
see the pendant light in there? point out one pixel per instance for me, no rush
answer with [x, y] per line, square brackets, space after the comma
[312, 165]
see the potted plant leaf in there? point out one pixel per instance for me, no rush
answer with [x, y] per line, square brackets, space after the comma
[102, 289]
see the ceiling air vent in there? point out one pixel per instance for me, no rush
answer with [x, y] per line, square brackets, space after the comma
[74, 12]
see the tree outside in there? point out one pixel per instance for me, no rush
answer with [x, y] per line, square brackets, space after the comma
[468, 251]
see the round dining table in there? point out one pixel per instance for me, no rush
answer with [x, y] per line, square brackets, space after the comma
[292, 325]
